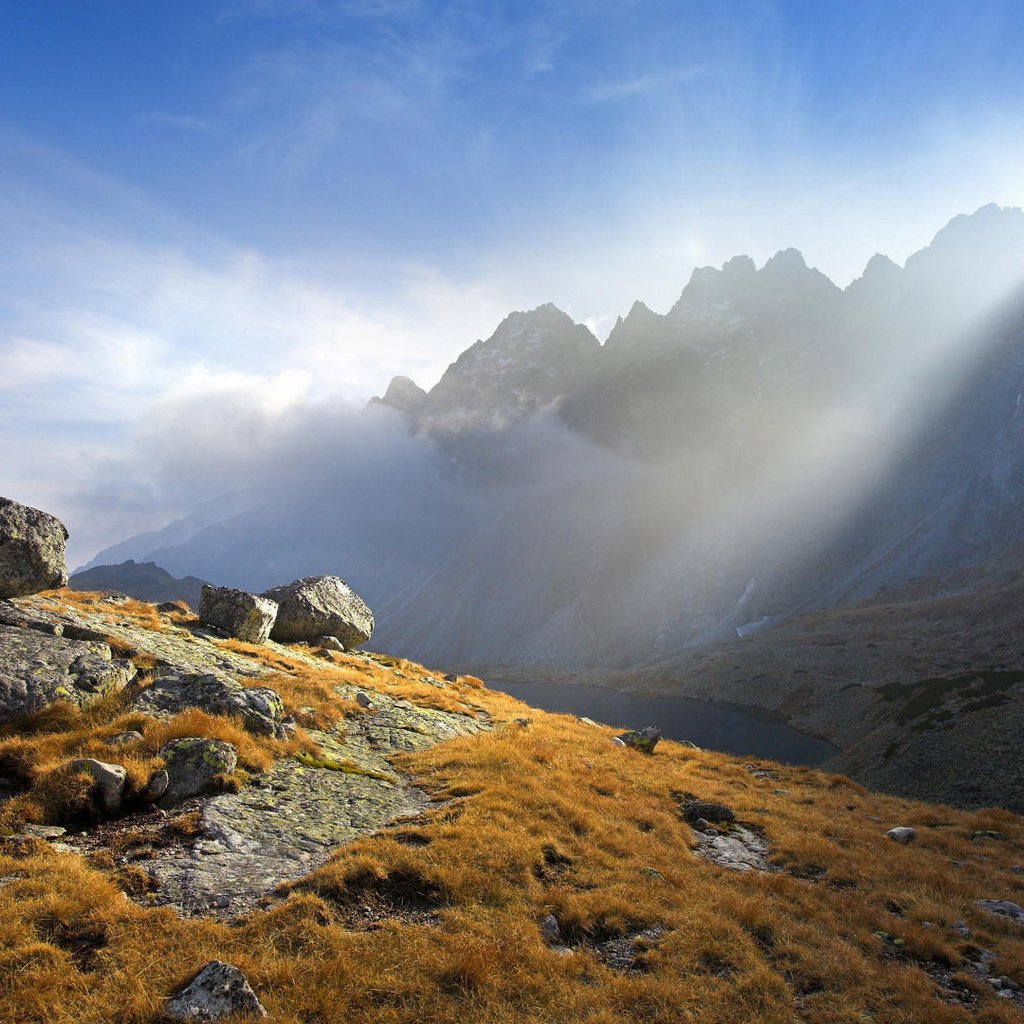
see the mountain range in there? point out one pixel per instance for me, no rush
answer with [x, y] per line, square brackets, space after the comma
[771, 445]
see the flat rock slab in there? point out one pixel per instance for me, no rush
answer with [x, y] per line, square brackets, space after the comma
[37, 669]
[289, 822]
[739, 849]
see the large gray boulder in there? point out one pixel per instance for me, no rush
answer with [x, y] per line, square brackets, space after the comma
[195, 765]
[259, 707]
[38, 669]
[218, 990]
[238, 613]
[319, 606]
[31, 550]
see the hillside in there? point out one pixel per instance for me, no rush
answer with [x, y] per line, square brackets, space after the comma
[473, 858]
[145, 581]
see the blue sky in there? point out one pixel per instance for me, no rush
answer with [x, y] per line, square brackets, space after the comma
[278, 202]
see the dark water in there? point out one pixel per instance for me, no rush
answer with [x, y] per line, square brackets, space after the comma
[714, 726]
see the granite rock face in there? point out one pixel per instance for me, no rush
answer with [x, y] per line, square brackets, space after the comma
[38, 669]
[238, 613]
[259, 707]
[319, 606]
[31, 550]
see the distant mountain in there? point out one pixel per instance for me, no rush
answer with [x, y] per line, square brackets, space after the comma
[144, 581]
[770, 445]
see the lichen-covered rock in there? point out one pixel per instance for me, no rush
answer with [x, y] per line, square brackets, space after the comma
[259, 707]
[217, 991]
[644, 740]
[320, 606]
[37, 669]
[31, 550]
[157, 786]
[108, 783]
[195, 765]
[238, 613]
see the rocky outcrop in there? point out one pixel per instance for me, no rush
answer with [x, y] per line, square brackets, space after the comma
[320, 606]
[218, 990]
[259, 707]
[31, 550]
[195, 765]
[238, 613]
[38, 669]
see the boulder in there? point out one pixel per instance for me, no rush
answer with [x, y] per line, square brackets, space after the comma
[238, 613]
[31, 550]
[320, 606]
[260, 708]
[903, 834]
[38, 669]
[708, 811]
[108, 783]
[644, 740]
[1003, 908]
[218, 990]
[194, 765]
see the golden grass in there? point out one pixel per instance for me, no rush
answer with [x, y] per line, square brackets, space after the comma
[550, 817]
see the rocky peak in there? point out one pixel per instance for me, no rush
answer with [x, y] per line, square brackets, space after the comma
[531, 360]
[404, 395]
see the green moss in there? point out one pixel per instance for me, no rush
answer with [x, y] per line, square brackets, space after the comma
[333, 765]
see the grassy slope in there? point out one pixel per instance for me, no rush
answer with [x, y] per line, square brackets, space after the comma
[544, 817]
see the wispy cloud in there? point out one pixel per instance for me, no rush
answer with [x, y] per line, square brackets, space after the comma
[641, 85]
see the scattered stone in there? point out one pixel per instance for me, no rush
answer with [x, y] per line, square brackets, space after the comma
[31, 550]
[549, 929]
[695, 810]
[687, 743]
[156, 787]
[644, 740]
[108, 782]
[902, 834]
[618, 741]
[522, 722]
[320, 606]
[330, 643]
[363, 700]
[238, 613]
[586, 721]
[260, 708]
[960, 928]
[623, 952]
[451, 677]
[37, 669]
[124, 738]
[741, 849]
[988, 833]
[1003, 908]
[217, 991]
[194, 765]
[170, 607]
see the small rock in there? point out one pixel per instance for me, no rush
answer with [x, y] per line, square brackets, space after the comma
[217, 991]
[687, 743]
[618, 741]
[123, 738]
[1017, 869]
[987, 833]
[708, 811]
[330, 643]
[169, 607]
[549, 929]
[522, 722]
[644, 740]
[238, 613]
[902, 834]
[108, 782]
[363, 701]
[586, 721]
[43, 831]
[1003, 908]
[451, 677]
[193, 766]
[31, 550]
[960, 928]
[156, 787]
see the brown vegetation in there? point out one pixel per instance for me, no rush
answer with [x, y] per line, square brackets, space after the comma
[437, 919]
